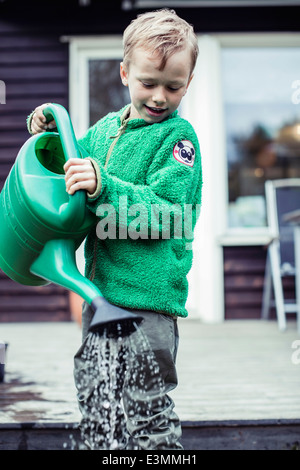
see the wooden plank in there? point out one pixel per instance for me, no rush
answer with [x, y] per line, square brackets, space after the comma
[34, 57]
[24, 105]
[25, 72]
[18, 23]
[244, 251]
[34, 87]
[9, 287]
[243, 299]
[26, 41]
[243, 265]
[4, 169]
[245, 313]
[32, 303]
[56, 315]
[243, 281]
[13, 138]
[17, 123]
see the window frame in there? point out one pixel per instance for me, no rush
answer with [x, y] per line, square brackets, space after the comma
[81, 50]
[253, 235]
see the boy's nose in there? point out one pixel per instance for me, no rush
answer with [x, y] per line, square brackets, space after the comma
[159, 97]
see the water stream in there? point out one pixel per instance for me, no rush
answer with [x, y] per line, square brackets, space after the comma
[113, 365]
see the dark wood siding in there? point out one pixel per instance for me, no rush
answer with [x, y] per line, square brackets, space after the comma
[243, 276]
[244, 270]
[34, 68]
[26, 303]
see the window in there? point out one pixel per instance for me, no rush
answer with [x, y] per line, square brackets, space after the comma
[106, 92]
[262, 125]
[95, 84]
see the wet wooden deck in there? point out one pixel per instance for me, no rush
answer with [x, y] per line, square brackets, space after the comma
[234, 372]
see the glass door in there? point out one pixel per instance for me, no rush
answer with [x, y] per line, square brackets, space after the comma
[262, 122]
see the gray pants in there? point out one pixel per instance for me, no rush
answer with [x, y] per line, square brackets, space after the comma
[150, 418]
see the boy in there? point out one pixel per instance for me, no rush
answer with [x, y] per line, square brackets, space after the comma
[147, 157]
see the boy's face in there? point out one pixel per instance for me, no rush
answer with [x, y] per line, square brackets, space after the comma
[155, 94]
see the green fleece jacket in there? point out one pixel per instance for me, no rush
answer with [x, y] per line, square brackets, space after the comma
[147, 201]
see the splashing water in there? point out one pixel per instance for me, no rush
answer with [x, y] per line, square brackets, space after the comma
[111, 364]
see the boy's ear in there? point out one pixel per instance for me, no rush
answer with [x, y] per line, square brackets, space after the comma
[188, 84]
[123, 74]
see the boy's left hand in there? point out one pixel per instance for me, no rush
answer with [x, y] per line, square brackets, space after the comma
[80, 174]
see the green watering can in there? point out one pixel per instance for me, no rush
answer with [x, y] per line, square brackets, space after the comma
[41, 226]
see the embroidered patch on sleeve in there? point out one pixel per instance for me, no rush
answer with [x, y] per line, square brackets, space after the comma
[184, 152]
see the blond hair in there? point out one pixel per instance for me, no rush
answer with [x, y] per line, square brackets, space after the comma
[162, 32]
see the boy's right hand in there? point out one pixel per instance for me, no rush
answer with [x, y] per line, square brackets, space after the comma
[38, 121]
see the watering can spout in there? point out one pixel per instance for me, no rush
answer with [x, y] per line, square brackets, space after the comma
[57, 264]
[111, 320]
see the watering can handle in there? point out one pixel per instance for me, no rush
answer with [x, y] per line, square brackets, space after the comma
[73, 212]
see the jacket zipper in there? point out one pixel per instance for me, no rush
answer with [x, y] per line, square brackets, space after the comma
[120, 132]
